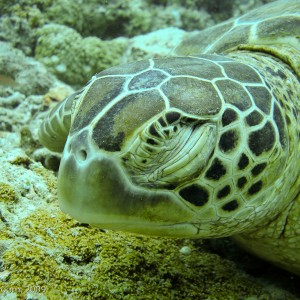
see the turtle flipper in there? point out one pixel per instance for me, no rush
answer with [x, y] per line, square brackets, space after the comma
[55, 128]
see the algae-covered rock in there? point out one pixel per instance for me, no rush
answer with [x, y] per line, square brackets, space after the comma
[47, 255]
[18, 32]
[110, 19]
[7, 193]
[75, 39]
[72, 58]
[21, 73]
[44, 254]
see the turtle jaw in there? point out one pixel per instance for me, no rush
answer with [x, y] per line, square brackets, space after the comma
[97, 191]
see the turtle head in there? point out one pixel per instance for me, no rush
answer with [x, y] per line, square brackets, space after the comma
[176, 146]
[132, 187]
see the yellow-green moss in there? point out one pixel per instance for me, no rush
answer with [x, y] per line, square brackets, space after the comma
[48, 176]
[75, 261]
[7, 193]
[27, 142]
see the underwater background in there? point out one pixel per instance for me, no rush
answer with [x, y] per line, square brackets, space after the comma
[48, 49]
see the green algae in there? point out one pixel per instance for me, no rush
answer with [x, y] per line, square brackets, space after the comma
[47, 252]
[72, 58]
[55, 256]
[75, 40]
[7, 193]
[70, 260]
[109, 19]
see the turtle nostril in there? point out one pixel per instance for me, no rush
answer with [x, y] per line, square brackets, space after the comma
[82, 155]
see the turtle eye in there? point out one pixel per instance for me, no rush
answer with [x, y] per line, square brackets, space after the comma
[171, 150]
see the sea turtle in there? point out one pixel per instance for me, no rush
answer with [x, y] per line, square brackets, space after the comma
[204, 143]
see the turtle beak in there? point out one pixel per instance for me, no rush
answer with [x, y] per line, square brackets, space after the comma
[96, 190]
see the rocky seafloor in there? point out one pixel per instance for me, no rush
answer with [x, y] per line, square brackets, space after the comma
[47, 50]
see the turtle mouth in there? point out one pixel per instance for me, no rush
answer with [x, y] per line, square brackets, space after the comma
[96, 190]
[170, 151]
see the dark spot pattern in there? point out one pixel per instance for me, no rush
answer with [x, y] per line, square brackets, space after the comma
[262, 140]
[172, 117]
[195, 194]
[228, 117]
[216, 170]
[255, 188]
[241, 182]
[228, 140]
[167, 132]
[231, 206]
[149, 149]
[162, 122]
[277, 73]
[151, 142]
[243, 161]
[281, 74]
[254, 118]
[258, 169]
[153, 131]
[225, 191]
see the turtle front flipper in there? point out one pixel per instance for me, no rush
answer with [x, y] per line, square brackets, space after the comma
[54, 130]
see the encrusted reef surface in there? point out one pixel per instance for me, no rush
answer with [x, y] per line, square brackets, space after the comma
[48, 49]
[76, 39]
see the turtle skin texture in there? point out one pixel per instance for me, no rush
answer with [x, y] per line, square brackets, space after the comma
[201, 144]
